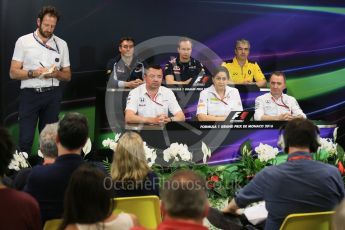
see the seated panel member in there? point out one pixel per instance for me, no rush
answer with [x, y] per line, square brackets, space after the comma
[151, 103]
[276, 105]
[218, 100]
[125, 69]
[241, 70]
[184, 69]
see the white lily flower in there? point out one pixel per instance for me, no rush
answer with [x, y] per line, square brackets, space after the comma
[39, 153]
[87, 147]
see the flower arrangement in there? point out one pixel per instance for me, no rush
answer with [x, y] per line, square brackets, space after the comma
[19, 161]
[332, 153]
[223, 181]
[150, 153]
[251, 162]
[177, 152]
[266, 152]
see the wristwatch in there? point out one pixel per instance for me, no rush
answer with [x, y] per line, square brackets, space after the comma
[30, 73]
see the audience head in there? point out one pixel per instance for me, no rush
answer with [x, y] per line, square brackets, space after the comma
[184, 196]
[339, 217]
[6, 150]
[277, 83]
[86, 198]
[242, 49]
[47, 141]
[185, 49]
[73, 131]
[126, 46]
[153, 77]
[129, 161]
[300, 133]
[220, 77]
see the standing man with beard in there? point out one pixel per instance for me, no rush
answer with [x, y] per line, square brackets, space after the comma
[40, 60]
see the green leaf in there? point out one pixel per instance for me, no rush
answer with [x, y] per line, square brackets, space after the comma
[246, 148]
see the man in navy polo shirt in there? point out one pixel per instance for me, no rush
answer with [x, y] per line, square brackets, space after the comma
[184, 69]
[297, 186]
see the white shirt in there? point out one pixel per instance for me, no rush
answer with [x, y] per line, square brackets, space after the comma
[140, 102]
[211, 104]
[122, 222]
[32, 54]
[267, 105]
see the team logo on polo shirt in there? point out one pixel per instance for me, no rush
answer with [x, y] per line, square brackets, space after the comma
[142, 101]
[120, 70]
[176, 68]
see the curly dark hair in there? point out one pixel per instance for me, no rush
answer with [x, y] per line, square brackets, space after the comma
[51, 10]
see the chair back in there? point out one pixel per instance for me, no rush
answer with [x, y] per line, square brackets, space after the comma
[314, 220]
[53, 224]
[146, 208]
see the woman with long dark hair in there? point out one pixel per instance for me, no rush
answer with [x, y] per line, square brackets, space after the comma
[89, 204]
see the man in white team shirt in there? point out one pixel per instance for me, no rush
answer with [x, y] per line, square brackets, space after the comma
[276, 105]
[40, 60]
[152, 103]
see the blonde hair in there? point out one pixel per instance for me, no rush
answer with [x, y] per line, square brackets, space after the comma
[129, 162]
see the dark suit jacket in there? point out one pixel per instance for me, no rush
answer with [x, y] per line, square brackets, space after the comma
[47, 184]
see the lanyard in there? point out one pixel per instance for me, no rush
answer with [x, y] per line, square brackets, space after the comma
[46, 46]
[281, 105]
[296, 158]
[222, 100]
[154, 99]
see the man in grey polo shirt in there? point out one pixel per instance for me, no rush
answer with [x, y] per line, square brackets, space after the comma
[40, 60]
[297, 186]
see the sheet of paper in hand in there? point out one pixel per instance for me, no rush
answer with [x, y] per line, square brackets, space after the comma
[256, 213]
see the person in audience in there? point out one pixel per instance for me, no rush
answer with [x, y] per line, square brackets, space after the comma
[129, 170]
[243, 71]
[18, 210]
[276, 105]
[297, 186]
[338, 220]
[184, 69]
[184, 201]
[89, 205]
[47, 183]
[218, 100]
[151, 103]
[125, 70]
[48, 149]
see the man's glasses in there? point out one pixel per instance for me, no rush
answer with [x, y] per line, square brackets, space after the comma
[127, 46]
